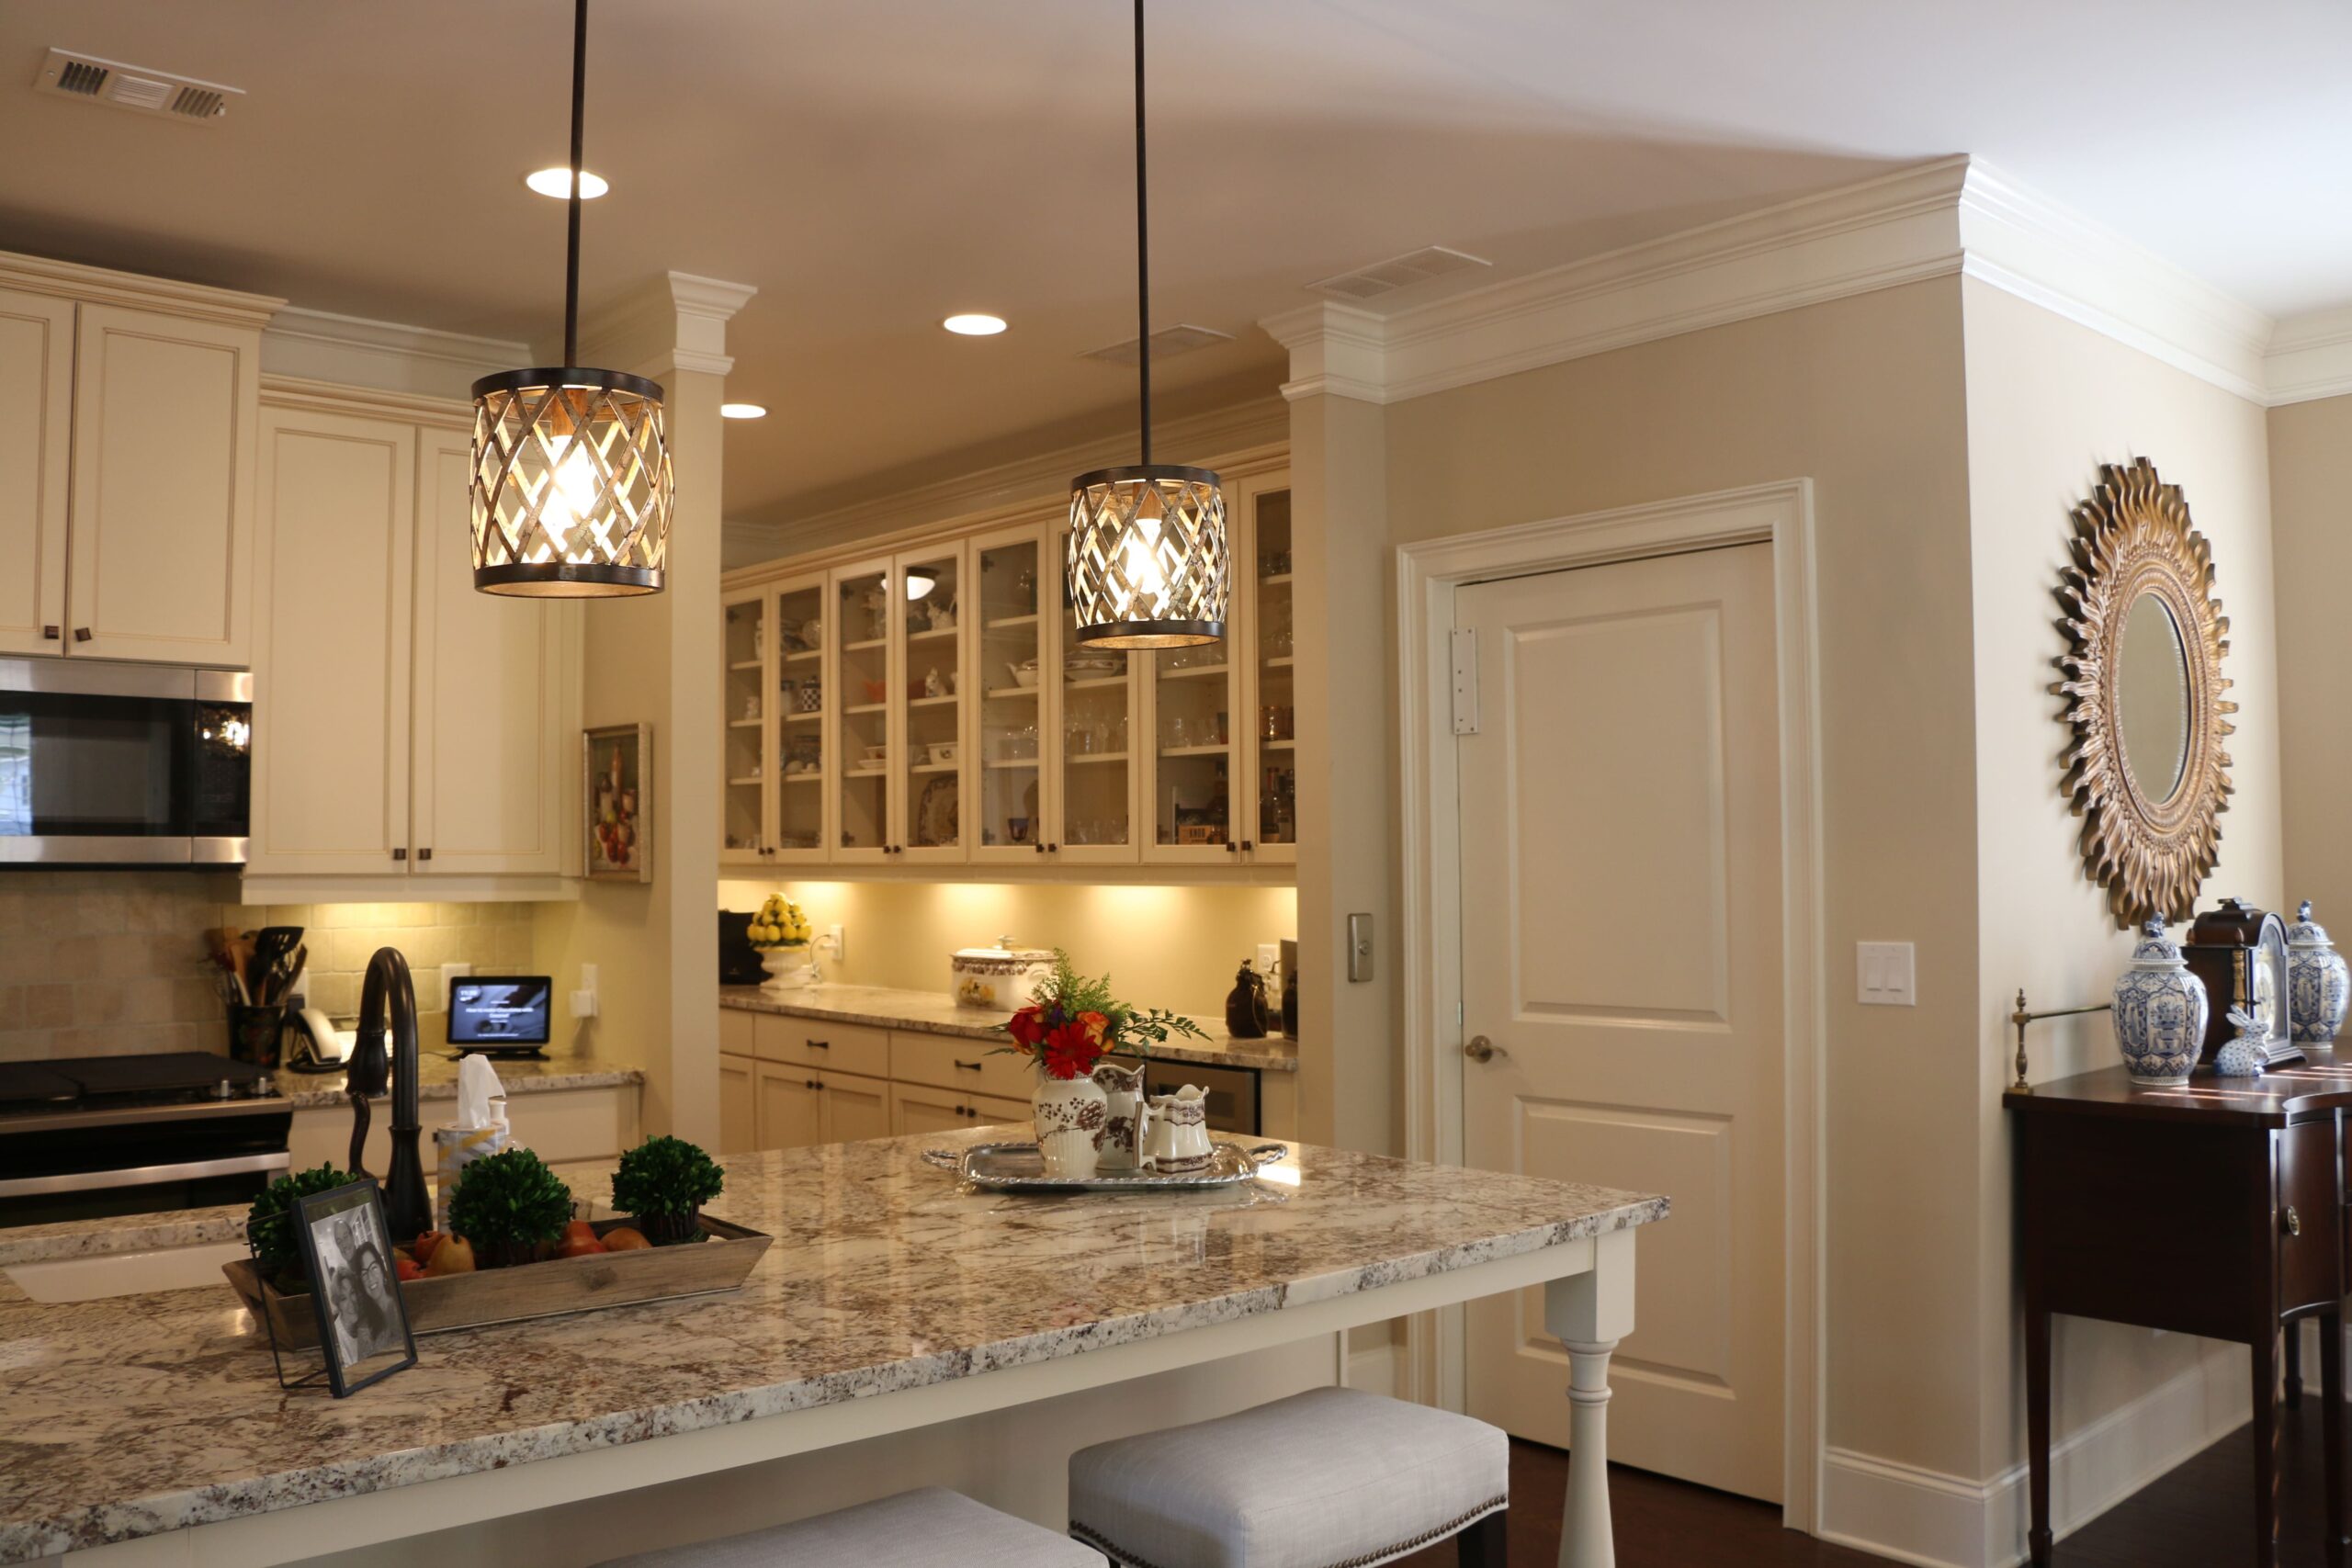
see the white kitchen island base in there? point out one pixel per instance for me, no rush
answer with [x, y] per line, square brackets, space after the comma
[1278, 1287]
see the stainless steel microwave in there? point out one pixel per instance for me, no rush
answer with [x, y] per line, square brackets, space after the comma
[105, 764]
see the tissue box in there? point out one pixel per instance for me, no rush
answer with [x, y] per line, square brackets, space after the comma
[455, 1148]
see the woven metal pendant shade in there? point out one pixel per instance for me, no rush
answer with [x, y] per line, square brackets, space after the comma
[572, 484]
[1149, 566]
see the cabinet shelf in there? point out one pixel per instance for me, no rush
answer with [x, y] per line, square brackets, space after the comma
[864, 773]
[1280, 661]
[745, 722]
[1277, 745]
[1014, 764]
[866, 708]
[1275, 579]
[1094, 683]
[804, 778]
[1083, 758]
[752, 782]
[930, 701]
[799, 654]
[1011, 691]
[935, 767]
[745, 664]
[1197, 672]
[866, 645]
[807, 716]
[933, 634]
[1190, 751]
[1002, 622]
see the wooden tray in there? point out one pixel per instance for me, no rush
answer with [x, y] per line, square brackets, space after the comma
[438, 1303]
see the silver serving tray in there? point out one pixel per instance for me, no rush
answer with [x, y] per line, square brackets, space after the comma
[1018, 1168]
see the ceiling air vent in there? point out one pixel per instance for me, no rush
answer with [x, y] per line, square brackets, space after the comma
[1165, 343]
[1397, 272]
[134, 87]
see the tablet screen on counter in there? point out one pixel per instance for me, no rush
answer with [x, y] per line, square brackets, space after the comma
[500, 1009]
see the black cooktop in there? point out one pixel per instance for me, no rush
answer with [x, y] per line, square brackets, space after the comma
[166, 1078]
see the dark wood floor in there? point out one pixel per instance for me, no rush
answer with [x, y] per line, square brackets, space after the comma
[2199, 1516]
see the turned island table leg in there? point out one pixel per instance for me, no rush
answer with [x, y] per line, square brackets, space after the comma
[1589, 1312]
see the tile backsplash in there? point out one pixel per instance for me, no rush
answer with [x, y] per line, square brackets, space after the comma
[111, 963]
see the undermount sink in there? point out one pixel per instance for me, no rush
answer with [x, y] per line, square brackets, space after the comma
[123, 1273]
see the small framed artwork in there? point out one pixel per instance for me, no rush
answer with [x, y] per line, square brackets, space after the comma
[348, 1254]
[617, 779]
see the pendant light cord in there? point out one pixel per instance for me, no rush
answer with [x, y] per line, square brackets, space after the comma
[1143, 250]
[579, 133]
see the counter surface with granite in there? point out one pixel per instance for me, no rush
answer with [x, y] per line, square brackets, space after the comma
[137, 1416]
[937, 1012]
[436, 1079]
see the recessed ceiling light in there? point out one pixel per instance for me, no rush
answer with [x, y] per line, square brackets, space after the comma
[556, 183]
[974, 325]
[742, 411]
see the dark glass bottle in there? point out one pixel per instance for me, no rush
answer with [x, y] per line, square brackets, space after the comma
[1245, 1004]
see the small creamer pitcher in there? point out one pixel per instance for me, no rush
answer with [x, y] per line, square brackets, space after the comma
[1123, 1120]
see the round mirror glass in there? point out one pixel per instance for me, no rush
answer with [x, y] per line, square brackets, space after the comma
[2152, 697]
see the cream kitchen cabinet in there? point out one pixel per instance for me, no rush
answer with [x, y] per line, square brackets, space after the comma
[127, 424]
[563, 1126]
[738, 1122]
[919, 1107]
[786, 1106]
[1063, 755]
[793, 1107]
[406, 728]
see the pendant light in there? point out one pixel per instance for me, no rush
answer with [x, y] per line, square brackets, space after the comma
[1147, 565]
[572, 484]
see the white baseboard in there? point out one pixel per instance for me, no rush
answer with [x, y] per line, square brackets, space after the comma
[1935, 1521]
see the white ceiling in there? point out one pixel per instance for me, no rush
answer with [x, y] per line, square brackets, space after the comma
[874, 164]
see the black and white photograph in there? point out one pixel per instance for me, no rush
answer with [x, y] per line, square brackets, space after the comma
[348, 1252]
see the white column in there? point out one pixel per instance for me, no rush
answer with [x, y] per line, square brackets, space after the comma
[1589, 1312]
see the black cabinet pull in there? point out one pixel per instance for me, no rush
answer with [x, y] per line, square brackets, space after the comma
[424, 854]
[819, 1044]
[81, 634]
[967, 1066]
[53, 634]
[1247, 846]
[1040, 849]
[400, 853]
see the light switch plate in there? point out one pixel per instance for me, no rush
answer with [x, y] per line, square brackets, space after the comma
[1886, 974]
[1268, 954]
[1358, 947]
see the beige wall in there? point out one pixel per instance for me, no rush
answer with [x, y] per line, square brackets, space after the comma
[2049, 402]
[1174, 947]
[1864, 396]
[2311, 517]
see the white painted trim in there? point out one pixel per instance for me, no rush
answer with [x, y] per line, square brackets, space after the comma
[364, 403]
[1025, 483]
[1937, 1520]
[1953, 215]
[317, 346]
[2310, 356]
[198, 301]
[1779, 514]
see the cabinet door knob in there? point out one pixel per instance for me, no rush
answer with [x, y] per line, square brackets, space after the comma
[81, 634]
[1041, 847]
[2294, 1222]
[1231, 848]
[1247, 846]
[424, 854]
[1055, 848]
[400, 853]
[53, 634]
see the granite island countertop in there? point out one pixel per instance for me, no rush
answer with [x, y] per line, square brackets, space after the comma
[142, 1415]
[937, 1013]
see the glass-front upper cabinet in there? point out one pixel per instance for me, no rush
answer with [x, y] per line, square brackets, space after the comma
[1194, 700]
[1097, 742]
[1271, 832]
[1011, 580]
[859, 626]
[797, 765]
[926, 757]
[744, 826]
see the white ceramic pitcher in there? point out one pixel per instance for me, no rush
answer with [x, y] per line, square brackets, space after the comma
[1124, 1117]
[1176, 1133]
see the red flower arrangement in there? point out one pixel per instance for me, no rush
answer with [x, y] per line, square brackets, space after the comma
[1075, 1023]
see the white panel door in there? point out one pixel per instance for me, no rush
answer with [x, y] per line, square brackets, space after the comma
[331, 693]
[1621, 894]
[163, 516]
[36, 444]
[489, 744]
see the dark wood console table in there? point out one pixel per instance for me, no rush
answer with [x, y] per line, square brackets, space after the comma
[2217, 1209]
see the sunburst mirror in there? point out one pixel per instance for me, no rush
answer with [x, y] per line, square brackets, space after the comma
[2144, 691]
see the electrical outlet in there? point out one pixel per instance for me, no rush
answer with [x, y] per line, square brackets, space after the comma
[450, 973]
[1268, 954]
[583, 1001]
[839, 937]
[1884, 975]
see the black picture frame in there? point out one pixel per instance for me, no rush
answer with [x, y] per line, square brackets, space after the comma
[363, 1329]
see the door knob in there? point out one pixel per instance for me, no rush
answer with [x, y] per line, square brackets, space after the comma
[1482, 1050]
[2294, 1222]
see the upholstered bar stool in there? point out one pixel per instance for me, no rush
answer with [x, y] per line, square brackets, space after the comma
[1332, 1478]
[930, 1528]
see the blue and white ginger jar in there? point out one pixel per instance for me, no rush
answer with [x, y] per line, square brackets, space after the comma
[2160, 1012]
[2318, 982]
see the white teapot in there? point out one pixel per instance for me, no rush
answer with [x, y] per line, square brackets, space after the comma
[1175, 1133]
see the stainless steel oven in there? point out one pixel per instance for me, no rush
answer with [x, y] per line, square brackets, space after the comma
[1232, 1091]
[105, 764]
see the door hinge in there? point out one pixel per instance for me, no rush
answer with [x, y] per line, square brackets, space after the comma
[1465, 680]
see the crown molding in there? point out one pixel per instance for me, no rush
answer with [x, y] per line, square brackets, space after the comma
[1957, 215]
[2310, 356]
[673, 322]
[103, 286]
[318, 345]
[1218, 435]
[282, 391]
